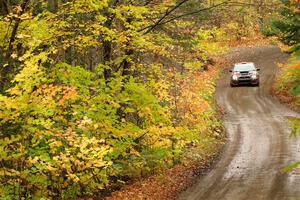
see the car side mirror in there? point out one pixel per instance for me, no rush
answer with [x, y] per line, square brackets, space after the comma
[230, 70]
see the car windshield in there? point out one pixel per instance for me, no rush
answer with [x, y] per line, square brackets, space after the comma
[244, 67]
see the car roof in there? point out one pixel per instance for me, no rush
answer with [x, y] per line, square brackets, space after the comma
[244, 63]
[244, 66]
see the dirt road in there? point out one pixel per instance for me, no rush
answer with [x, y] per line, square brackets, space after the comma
[258, 146]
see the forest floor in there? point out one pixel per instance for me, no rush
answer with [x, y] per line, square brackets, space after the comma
[286, 98]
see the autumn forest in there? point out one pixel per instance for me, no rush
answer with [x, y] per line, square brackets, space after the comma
[97, 93]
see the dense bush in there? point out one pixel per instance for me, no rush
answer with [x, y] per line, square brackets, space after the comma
[62, 136]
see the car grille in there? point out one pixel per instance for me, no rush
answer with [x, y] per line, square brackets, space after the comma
[244, 76]
[244, 73]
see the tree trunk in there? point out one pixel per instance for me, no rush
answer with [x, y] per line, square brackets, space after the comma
[126, 64]
[107, 58]
[4, 5]
[107, 45]
[53, 5]
[5, 71]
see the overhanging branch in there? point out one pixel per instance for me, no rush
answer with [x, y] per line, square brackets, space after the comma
[194, 12]
[163, 19]
[167, 13]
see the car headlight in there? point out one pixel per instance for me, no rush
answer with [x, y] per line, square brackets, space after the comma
[235, 77]
[253, 76]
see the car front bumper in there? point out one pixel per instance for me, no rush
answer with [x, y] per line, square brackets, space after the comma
[244, 81]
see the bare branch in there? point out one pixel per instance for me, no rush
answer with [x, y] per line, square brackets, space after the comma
[167, 13]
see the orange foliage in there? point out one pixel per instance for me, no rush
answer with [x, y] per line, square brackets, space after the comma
[296, 65]
[53, 92]
[194, 88]
[68, 93]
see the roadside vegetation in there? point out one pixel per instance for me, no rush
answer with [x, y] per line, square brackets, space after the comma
[94, 93]
[287, 86]
[285, 26]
